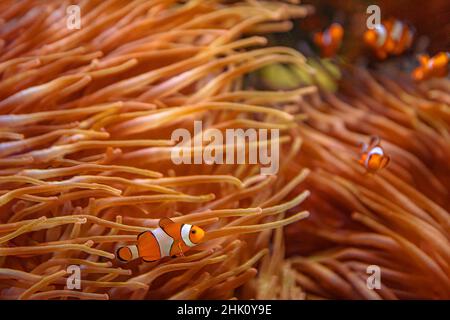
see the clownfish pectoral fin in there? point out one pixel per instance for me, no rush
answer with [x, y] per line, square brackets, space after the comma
[385, 161]
[176, 248]
[164, 222]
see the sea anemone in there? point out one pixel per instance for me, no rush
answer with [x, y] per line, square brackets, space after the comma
[85, 124]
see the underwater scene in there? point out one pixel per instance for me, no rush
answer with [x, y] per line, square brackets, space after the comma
[217, 150]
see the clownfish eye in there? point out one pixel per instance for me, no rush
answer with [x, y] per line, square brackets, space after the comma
[193, 231]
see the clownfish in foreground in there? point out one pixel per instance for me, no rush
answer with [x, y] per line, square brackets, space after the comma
[373, 157]
[436, 66]
[169, 240]
[391, 37]
[330, 40]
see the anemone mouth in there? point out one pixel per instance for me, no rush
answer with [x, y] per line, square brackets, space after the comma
[86, 117]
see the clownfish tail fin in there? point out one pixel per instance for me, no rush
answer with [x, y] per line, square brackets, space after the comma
[128, 253]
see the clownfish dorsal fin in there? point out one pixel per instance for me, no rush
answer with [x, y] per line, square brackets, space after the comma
[164, 222]
[374, 141]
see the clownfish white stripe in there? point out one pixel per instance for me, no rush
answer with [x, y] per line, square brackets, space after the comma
[376, 150]
[382, 34]
[134, 252]
[164, 241]
[397, 30]
[185, 230]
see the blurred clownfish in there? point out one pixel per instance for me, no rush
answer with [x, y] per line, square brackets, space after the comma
[436, 66]
[391, 37]
[372, 156]
[330, 40]
[170, 239]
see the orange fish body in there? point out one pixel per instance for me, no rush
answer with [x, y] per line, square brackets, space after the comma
[330, 40]
[391, 37]
[169, 240]
[373, 157]
[436, 66]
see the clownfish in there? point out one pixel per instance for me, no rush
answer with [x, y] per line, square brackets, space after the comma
[330, 40]
[390, 37]
[436, 66]
[169, 240]
[373, 157]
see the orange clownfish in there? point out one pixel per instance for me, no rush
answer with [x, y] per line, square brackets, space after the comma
[169, 240]
[391, 37]
[436, 66]
[330, 40]
[373, 157]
